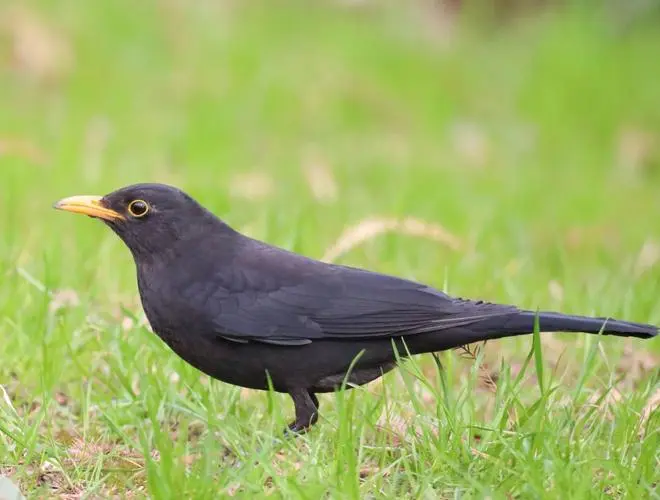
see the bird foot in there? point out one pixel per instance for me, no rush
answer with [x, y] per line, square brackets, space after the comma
[307, 412]
[296, 429]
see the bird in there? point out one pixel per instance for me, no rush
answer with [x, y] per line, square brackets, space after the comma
[255, 315]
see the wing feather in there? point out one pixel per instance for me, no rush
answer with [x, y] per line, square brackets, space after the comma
[350, 304]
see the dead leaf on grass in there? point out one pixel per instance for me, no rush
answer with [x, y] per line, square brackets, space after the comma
[246, 394]
[7, 471]
[321, 180]
[648, 257]
[61, 398]
[636, 362]
[371, 470]
[252, 185]
[556, 291]
[62, 299]
[38, 48]
[189, 460]
[127, 324]
[22, 148]
[478, 453]
[232, 490]
[283, 466]
[635, 149]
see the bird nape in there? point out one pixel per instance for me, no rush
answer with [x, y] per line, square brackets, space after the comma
[252, 314]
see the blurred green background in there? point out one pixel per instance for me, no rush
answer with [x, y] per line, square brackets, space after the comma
[528, 133]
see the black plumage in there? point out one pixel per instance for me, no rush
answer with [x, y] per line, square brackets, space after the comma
[243, 311]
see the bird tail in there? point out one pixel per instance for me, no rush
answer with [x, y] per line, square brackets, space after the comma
[524, 322]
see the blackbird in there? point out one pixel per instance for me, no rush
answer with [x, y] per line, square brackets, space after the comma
[256, 316]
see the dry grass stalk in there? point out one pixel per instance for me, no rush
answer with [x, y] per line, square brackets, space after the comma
[604, 404]
[370, 228]
[650, 407]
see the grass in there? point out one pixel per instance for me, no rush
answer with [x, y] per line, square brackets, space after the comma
[534, 143]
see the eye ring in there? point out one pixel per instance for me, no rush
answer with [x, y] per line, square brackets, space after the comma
[138, 208]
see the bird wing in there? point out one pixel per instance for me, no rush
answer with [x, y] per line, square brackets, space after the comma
[336, 303]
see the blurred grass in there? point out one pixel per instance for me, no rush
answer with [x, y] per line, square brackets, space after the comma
[536, 141]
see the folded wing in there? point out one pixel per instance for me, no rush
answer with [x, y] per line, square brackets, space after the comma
[345, 304]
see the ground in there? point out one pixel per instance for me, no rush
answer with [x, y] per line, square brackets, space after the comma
[515, 160]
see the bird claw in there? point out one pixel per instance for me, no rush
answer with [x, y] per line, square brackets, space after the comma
[295, 429]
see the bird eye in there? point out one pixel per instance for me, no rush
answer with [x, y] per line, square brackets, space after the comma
[138, 208]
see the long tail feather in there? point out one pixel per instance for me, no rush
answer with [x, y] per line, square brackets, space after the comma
[524, 322]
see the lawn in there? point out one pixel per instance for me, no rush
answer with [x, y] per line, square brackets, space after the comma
[514, 160]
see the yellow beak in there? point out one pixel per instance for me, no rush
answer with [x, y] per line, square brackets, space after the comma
[88, 205]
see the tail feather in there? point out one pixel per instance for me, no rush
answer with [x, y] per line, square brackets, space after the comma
[524, 322]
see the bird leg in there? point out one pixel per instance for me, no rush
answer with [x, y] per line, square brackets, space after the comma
[307, 410]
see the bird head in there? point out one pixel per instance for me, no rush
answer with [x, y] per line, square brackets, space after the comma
[149, 218]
